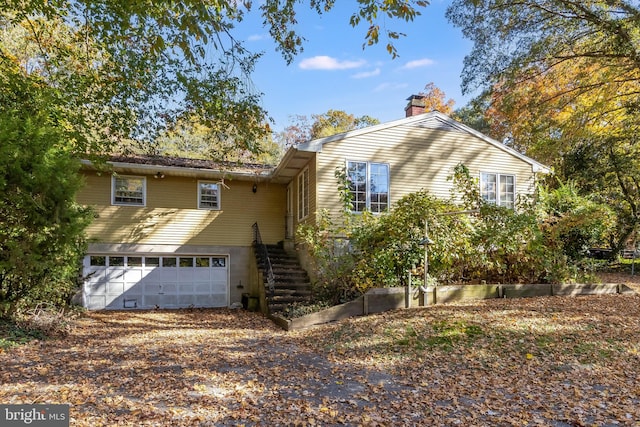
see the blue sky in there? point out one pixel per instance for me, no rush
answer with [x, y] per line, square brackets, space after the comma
[334, 72]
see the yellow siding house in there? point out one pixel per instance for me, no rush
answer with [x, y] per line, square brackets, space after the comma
[174, 233]
[388, 161]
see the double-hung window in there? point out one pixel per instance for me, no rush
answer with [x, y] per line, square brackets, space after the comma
[128, 190]
[369, 186]
[499, 189]
[303, 194]
[208, 195]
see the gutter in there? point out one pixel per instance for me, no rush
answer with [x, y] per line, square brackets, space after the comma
[186, 171]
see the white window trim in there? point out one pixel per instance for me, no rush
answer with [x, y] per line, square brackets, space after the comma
[498, 195]
[113, 190]
[217, 208]
[368, 184]
[303, 194]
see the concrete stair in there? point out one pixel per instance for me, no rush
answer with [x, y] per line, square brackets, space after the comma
[291, 282]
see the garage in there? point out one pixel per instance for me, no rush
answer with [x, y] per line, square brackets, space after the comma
[136, 281]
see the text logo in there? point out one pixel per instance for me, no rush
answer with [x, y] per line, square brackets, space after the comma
[34, 415]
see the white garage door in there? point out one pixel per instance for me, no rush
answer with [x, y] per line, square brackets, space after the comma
[141, 281]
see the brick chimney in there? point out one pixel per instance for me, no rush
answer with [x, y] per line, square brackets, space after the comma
[415, 106]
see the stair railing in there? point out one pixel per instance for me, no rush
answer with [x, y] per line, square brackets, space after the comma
[260, 246]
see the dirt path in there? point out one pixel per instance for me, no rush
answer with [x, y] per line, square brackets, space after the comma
[171, 368]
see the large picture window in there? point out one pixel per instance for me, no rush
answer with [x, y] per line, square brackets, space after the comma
[303, 194]
[208, 195]
[499, 189]
[369, 186]
[128, 190]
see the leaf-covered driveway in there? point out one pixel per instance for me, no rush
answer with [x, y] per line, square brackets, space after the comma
[539, 362]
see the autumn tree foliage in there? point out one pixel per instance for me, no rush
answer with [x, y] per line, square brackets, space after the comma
[562, 79]
[474, 114]
[336, 121]
[434, 98]
[130, 68]
[302, 129]
[590, 136]
[297, 132]
[510, 37]
[190, 139]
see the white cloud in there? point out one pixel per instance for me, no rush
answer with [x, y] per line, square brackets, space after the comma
[256, 37]
[324, 62]
[418, 63]
[366, 74]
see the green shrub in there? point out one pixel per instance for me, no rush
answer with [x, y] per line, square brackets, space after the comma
[472, 240]
[333, 261]
[41, 226]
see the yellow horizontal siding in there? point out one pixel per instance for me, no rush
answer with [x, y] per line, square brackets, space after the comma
[171, 216]
[418, 158]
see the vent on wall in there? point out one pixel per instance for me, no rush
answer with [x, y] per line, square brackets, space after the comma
[131, 303]
[436, 123]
